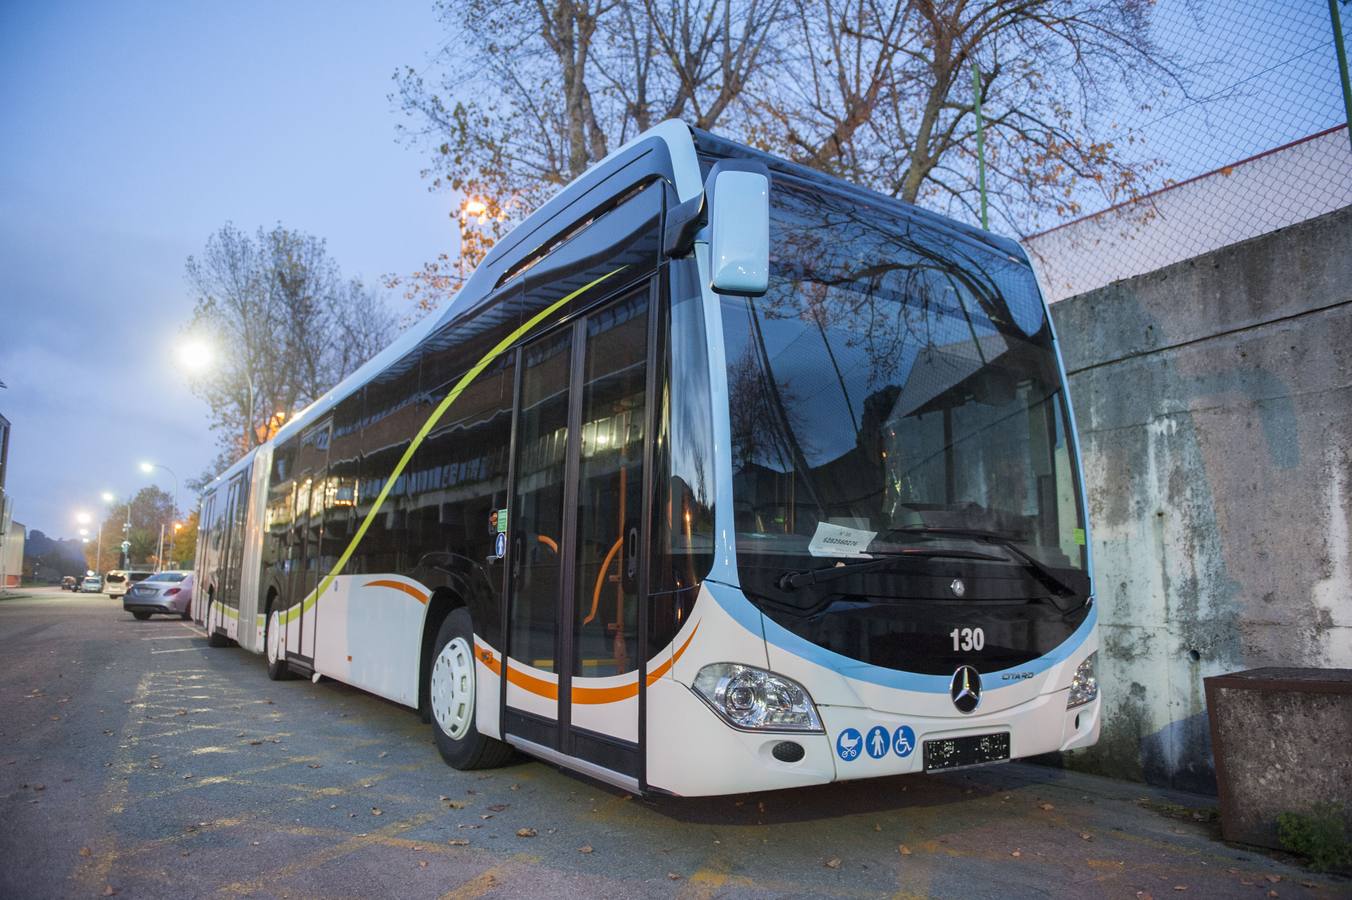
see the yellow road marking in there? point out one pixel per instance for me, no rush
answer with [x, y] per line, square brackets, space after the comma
[477, 886]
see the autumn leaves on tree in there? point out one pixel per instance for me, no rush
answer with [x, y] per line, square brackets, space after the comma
[524, 95]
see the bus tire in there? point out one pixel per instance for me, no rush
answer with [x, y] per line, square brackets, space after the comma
[450, 694]
[277, 667]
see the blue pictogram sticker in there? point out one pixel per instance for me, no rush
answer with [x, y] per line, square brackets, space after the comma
[500, 545]
[848, 744]
[903, 741]
[877, 742]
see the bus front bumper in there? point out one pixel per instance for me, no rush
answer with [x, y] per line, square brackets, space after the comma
[717, 759]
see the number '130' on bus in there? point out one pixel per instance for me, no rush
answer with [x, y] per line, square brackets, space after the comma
[718, 475]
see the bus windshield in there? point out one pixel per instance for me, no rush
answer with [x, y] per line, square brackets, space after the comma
[896, 390]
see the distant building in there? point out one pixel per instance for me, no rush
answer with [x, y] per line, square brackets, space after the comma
[11, 555]
[11, 532]
[1290, 184]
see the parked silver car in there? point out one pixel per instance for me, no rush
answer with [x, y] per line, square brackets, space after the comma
[92, 584]
[163, 592]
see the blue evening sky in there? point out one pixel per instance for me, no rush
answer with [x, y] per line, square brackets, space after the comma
[131, 132]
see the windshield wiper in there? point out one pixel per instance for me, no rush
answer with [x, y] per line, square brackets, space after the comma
[1039, 569]
[791, 580]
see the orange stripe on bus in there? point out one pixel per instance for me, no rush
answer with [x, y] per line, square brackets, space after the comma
[583, 695]
[399, 586]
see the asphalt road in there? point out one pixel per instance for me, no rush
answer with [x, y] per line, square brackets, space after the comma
[136, 760]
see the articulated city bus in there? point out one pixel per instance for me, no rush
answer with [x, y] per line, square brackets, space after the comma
[719, 475]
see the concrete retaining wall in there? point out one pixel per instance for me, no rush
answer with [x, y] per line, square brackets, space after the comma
[1214, 404]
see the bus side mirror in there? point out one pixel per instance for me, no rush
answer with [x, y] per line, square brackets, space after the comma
[738, 194]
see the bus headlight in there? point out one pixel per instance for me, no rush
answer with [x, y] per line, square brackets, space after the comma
[1084, 686]
[752, 698]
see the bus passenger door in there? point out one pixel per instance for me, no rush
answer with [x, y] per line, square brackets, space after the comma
[312, 464]
[578, 531]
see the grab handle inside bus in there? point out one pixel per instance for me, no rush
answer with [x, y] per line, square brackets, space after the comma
[738, 195]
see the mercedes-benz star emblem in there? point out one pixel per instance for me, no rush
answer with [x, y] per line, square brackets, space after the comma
[965, 689]
[957, 587]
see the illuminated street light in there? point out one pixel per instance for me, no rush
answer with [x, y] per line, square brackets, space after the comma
[194, 355]
[82, 517]
[108, 497]
[197, 356]
[84, 533]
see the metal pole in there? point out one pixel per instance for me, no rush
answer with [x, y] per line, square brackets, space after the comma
[981, 141]
[126, 537]
[250, 436]
[98, 552]
[1342, 64]
[159, 551]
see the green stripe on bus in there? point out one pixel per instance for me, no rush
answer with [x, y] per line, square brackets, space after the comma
[426, 429]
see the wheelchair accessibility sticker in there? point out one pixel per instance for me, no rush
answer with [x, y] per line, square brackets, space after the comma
[903, 741]
[848, 744]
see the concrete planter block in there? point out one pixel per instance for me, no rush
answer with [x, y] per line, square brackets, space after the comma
[1282, 740]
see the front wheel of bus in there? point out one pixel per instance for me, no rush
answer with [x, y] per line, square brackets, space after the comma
[450, 692]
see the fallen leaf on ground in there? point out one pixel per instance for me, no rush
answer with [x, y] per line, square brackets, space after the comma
[455, 804]
[1273, 878]
[1045, 806]
[85, 851]
[1086, 836]
[109, 890]
[1180, 887]
[585, 848]
[377, 811]
[903, 850]
[422, 863]
[314, 766]
[833, 863]
[515, 787]
[458, 842]
[497, 807]
[525, 832]
[1016, 854]
[673, 876]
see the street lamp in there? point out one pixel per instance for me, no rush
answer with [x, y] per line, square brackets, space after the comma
[82, 518]
[196, 356]
[149, 467]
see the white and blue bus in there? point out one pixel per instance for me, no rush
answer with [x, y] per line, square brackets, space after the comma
[719, 475]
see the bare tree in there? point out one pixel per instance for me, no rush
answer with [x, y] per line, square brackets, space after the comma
[550, 87]
[884, 95]
[285, 326]
[527, 93]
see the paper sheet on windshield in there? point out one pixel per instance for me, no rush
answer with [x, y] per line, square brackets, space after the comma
[840, 540]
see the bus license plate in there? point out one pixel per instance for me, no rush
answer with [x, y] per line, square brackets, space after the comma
[953, 753]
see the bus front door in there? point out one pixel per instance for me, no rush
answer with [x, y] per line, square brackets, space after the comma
[575, 663]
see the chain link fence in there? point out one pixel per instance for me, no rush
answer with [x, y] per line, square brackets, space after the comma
[1258, 141]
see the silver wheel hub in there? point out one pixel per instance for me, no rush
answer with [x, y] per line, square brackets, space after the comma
[452, 689]
[274, 639]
